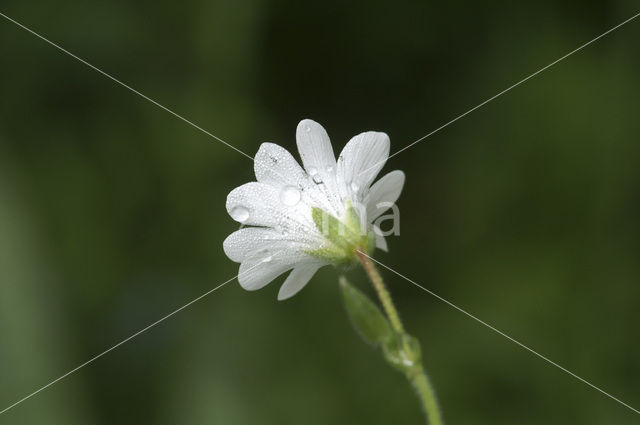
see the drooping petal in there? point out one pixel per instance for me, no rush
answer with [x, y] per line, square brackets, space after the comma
[249, 241]
[360, 162]
[261, 268]
[297, 280]
[381, 242]
[384, 193]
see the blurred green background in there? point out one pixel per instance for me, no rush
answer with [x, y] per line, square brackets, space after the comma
[112, 211]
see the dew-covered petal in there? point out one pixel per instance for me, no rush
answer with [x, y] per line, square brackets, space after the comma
[381, 242]
[315, 148]
[319, 161]
[261, 268]
[274, 165]
[255, 204]
[384, 193]
[260, 204]
[297, 280]
[249, 241]
[360, 162]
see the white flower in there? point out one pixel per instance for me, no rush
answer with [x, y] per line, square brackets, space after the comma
[303, 219]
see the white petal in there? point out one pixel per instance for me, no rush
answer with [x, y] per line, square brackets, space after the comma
[315, 148]
[249, 241]
[255, 204]
[260, 269]
[319, 161]
[274, 165]
[381, 242]
[360, 162]
[260, 204]
[297, 280]
[383, 193]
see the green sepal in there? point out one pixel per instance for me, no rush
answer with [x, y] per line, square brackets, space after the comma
[340, 234]
[365, 316]
[343, 238]
[353, 219]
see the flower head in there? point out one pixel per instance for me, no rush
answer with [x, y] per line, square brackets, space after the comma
[301, 219]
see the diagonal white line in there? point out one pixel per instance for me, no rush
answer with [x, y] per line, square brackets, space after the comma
[177, 116]
[273, 170]
[246, 155]
[125, 86]
[505, 90]
[531, 350]
[91, 360]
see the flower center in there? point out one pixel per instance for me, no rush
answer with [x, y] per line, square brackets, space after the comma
[343, 237]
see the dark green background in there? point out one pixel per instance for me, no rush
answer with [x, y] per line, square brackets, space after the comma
[112, 211]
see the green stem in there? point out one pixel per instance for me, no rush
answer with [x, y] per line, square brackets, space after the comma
[427, 395]
[417, 376]
[383, 293]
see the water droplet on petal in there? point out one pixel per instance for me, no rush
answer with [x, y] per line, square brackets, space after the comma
[290, 195]
[267, 257]
[317, 179]
[307, 129]
[354, 187]
[313, 171]
[329, 169]
[240, 214]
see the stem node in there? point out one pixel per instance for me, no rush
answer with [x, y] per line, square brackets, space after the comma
[406, 356]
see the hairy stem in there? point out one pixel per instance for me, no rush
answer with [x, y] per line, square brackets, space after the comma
[383, 293]
[416, 375]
